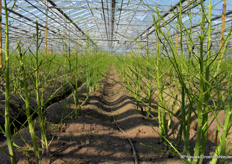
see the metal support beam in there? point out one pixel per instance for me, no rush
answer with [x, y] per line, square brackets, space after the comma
[22, 16]
[0, 34]
[104, 18]
[25, 45]
[65, 49]
[223, 25]
[89, 8]
[100, 9]
[119, 17]
[82, 48]
[147, 48]
[46, 32]
[112, 22]
[30, 20]
[149, 30]
[222, 35]
[124, 24]
[70, 20]
[93, 17]
[177, 38]
[76, 45]
[47, 16]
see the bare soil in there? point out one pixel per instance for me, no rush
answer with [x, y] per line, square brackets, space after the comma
[95, 138]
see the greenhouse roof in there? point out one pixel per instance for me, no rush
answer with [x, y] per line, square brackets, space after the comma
[107, 24]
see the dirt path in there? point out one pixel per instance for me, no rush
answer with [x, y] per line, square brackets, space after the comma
[95, 138]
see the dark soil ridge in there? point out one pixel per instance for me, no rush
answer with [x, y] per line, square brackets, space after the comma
[17, 106]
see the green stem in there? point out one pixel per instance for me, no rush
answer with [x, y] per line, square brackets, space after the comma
[206, 84]
[7, 94]
[161, 110]
[198, 147]
[221, 148]
[29, 117]
[42, 118]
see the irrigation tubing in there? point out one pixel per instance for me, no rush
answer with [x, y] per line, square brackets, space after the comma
[131, 144]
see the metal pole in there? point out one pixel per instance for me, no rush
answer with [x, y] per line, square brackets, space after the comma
[147, 51]
[82, 48]
[223, 25]
[76, 45]
[177, 37]
[0, 34]
[65, 44]
[222, 36]
[46, 31]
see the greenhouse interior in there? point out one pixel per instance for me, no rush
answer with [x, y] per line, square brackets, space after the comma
[107, 81]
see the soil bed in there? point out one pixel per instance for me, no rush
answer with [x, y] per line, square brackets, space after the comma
[95, 137]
